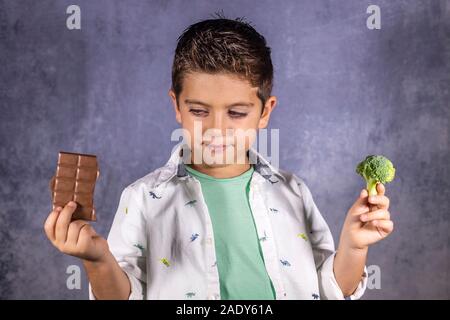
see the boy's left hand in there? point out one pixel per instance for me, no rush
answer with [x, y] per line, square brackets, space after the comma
[368, 220]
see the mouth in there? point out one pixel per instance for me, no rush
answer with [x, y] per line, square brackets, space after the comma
[217, 147]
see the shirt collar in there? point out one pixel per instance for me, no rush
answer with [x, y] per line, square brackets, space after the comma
[175, 166]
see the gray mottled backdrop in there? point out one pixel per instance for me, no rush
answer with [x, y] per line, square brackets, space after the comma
[344, 92]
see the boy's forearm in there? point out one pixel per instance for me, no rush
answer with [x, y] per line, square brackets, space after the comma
[108, 280]
[348, 268]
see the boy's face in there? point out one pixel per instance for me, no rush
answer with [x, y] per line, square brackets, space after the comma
[221, 114]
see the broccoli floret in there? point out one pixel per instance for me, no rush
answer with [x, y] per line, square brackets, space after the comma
[376, 168]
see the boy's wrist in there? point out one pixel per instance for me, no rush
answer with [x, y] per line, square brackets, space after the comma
[352, 250]
[102, 262]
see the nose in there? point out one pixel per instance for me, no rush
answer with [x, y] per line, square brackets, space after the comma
[218, 125]
[218, 121]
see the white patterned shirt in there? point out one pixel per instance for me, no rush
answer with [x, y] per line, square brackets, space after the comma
[157, 216]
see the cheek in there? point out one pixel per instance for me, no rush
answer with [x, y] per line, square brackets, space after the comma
[246, 132]
[248, 124]
[193, 130]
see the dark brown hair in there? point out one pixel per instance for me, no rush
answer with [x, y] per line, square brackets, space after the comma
[221, 45]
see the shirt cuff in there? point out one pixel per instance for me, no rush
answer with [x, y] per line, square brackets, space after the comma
[329, 286]
[136, 288]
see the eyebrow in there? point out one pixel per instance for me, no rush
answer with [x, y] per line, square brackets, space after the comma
[191, 101]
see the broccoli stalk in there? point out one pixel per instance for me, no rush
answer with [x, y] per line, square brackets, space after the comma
[374, 169]
[372, 187]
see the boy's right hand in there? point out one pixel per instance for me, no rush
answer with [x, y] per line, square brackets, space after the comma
[76, 238]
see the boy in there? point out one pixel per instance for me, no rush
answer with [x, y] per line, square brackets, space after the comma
[222, 230]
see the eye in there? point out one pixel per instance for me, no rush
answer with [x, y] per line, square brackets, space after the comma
[235, 114]
[198, 112]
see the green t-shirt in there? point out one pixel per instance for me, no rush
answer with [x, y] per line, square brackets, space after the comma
[240, 262]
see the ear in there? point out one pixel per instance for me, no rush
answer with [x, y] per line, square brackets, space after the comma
[173, 97]
[270, 104]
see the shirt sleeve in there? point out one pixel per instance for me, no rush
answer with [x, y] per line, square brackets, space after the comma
[127, 242]
[324, 251]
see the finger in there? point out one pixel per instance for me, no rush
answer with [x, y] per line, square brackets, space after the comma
[381, 201]
[363, 194]
[62, 224]
[380, 189]
[362, 199]
[380, 214]
[74, 231]
[50, 223]
[386, 226]
[360, 205]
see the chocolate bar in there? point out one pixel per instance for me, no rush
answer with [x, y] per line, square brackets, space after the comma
[75, 178]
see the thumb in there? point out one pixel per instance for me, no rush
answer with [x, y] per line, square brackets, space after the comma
[381, 189]
[90, 231]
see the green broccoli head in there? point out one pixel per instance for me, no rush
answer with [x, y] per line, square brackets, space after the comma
[374, 169]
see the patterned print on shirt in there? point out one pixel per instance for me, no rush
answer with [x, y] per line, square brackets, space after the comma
[190, 294]
[315, 296]
[303, 236]
[139, 246]
[263, 238]
[194, 237]
[153, 195]
[165, 262]
[273, 210]
[126, 210]
[285, 263]
[191, 203]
